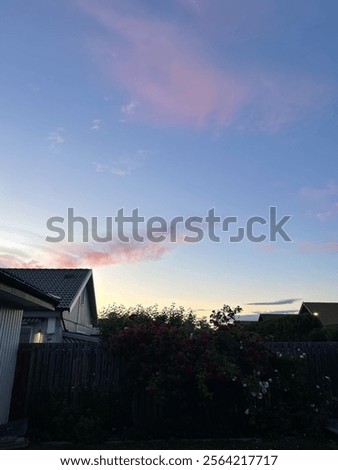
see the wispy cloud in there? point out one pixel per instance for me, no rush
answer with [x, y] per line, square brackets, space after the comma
[329, 213]
[123, 165]
[56, 139]
[276, 302]
[271, 247]
[317, 247]
[280, 99]
[234, 21]
[279, 311]
[193, 6]
[174, 81]
[16, 261]
[96, 124]
[324, 200]
[129, 108]
[169, 78]
[311, 193]
[92, 255]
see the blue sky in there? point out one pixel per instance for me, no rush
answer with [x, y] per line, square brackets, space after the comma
[174, 108]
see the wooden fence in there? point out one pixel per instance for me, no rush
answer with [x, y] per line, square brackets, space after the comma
[321, 358]
[64, 368]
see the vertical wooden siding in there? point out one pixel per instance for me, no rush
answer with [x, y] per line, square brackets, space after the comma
[10, 324]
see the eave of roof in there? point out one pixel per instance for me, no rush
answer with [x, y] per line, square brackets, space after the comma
[15, 291]
[68, 284]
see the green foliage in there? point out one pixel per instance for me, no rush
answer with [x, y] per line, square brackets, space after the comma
[116, 318]
[84, 418]
[210, 381]
[224, 316]
[186, 378]
[318, 334]
[290, 328]
[194, 377]
[330, 333]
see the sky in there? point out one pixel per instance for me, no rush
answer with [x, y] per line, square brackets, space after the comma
[174, 109]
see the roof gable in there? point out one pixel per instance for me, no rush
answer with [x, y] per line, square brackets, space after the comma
[66, 284]
[273, 316]
[327, 312]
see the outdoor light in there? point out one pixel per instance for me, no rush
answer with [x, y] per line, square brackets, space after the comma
[316, 314]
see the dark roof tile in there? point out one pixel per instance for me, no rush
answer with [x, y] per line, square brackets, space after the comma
[63, 283]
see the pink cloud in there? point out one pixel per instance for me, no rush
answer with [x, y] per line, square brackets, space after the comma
[317, 247]
[192, 6]
[122, 253]
[83, 255]
[16, 261]
[230, 21]
[310, 193]
[166, 69]
[269, 247]
[153, 63]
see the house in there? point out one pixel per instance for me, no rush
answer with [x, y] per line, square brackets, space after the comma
[15, 297]
[273, 316]
[326, 312]
[75, 314]
[245, 319]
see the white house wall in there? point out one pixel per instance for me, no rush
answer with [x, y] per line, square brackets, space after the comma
[10, 324]
[38, 324]
[78, 320]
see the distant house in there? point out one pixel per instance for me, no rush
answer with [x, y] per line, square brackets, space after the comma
[246, 319]
[15, 297]
[273, 316]
[326, 312]
[75, 314]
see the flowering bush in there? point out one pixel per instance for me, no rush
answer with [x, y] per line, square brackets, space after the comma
[297, 406]
[203, 381]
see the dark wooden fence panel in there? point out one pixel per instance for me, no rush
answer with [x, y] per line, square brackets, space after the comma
[65, 368]
[322, 359]
[62, 369]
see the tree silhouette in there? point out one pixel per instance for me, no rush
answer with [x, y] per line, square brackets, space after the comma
[224, 316]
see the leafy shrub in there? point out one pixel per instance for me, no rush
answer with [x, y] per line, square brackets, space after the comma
[318, 334]
[209, 382]
[182, 377]
[290, 328]
[115, 318]
[330, 333]
[83, 418]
